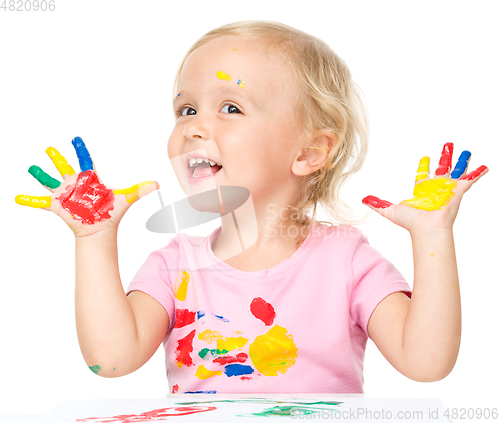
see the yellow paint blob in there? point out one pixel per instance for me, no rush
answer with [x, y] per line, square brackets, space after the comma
[230, 343]
[203, 373]
[209, 336]
[432, 194]
[224, 76]
[133, 193]
[60, 162]
[35, 202]
[274, 352]
[181, 285]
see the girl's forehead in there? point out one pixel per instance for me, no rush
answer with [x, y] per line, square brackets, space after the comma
[236, 60]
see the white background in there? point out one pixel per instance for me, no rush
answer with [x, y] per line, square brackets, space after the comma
[104, 70]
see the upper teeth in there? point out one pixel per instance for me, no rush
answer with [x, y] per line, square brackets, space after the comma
[194, 162]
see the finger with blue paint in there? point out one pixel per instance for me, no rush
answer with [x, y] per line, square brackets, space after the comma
[461, 166]
[82, 154]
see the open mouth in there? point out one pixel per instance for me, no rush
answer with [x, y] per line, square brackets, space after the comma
[201, 168]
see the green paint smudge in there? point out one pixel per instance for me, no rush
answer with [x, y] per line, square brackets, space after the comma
[43, 178]
[264, 401]
[95, 368]
[204, 353]
[285, 411]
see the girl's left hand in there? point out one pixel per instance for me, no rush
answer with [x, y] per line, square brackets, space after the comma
[435, 201]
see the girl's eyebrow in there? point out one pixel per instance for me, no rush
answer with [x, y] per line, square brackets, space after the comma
[238, 92]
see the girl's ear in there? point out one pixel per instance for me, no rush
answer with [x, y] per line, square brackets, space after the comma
[313, 155]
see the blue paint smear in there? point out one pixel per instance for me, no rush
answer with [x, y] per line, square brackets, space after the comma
[237, 370]
[200, 314]
[221, 318]
[461, 165]
[83, 154]
[200, 392]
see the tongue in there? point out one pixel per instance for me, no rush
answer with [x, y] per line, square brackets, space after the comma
[204, 169]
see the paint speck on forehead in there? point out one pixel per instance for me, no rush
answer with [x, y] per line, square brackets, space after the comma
[235, 49]
[224, 76]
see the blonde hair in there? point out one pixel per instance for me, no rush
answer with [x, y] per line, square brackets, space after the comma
[329, 101]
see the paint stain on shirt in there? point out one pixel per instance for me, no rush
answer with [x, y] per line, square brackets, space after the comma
[203, 373]
[263, 310]
[239, 358]
[274, 352]
[209, 336]
[184, 317]
[237, 370]
[181, 285]
[231, 343]
[184, 350]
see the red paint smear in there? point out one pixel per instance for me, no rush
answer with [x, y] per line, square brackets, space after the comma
[87, 199]
[245, 378]
[263, 311]
[445, 160]
[175, 389]
[184, 317]
[155, 415]
[474, 174]
[184, 348]
[240, 358]
[376, 202]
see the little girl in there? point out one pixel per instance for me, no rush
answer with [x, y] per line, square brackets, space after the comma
[272, 301]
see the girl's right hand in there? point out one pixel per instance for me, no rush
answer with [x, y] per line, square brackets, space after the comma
[82, 200]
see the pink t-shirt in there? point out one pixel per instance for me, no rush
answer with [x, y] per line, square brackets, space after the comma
[299, 327]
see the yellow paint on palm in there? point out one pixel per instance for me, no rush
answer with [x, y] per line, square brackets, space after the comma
[230, 343]
[31, 201]
[224, 76]
[209, 336]
[133, 193]
[432, 194]
[423, 169]
[274, 352]
[203, 373]
[60, 162]
[181, 285]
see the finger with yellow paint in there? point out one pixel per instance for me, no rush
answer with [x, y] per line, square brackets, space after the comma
[423, 169]
[60, 162]
[32, 201]
[137, 191]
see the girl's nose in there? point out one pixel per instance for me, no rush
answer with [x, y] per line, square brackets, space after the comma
[196, 129]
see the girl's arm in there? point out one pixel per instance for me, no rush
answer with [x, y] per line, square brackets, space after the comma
[421, 337]
[116, 334]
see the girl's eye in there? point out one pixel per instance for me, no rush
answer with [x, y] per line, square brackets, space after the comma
[230, 109]
[186, 111]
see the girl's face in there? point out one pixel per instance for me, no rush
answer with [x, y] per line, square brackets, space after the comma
[236, 100]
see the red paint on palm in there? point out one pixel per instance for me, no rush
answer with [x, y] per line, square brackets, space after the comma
[445, 160]
[184, 317]
[87, 199]
[376, 202]
[263, 310]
